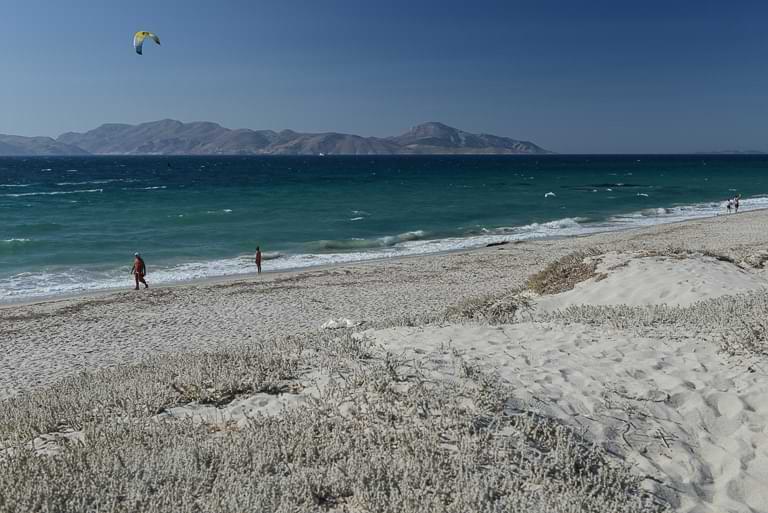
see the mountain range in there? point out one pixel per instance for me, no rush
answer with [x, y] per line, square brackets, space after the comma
[171, 137]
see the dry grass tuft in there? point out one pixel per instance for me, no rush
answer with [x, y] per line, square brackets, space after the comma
[673, 252]
[744, 258]
[493, 309]
[747, 335]
[739, 322]
[565, 273]
[490, 309]
[387, 434]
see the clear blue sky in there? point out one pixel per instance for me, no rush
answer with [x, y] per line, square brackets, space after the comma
[573, 76]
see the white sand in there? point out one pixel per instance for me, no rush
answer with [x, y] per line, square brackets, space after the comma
[630, 279]
[690, 418]
[678, 411]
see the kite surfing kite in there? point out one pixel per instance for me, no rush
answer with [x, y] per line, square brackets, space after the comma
[139, 37]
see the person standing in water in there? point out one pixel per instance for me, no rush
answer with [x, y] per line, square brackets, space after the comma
[139, 270]
[258, 259]
[736, 203]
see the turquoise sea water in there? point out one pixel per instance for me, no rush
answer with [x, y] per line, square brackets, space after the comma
[73, 224]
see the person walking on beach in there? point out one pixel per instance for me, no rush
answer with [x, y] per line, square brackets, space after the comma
[736, 203]
[730, 205]
[258, 259]
[139, 270]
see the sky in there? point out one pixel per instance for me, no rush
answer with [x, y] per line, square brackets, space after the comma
[585, 76]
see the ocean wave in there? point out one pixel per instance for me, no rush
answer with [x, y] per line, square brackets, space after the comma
[357, 243]
[15, 184]
[48, 283]
[271, 255]
[53, 193]
[145, 188]
[567, 223]
[664, 215]
[605, 185]
[97, 182]
[15, 241]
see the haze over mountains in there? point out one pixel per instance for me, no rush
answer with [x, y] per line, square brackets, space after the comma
[170, 137]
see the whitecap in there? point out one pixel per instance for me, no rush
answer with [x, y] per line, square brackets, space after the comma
[54, 193]
[95, 182]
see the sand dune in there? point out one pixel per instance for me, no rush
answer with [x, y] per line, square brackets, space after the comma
[684, 415]
[687, 416]
[634, 279]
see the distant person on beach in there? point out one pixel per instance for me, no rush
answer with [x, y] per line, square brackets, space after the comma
[730, 205]
[258, 259]
[736, 203]
[139, 270]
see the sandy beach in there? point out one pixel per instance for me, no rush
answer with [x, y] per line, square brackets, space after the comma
[647, 351]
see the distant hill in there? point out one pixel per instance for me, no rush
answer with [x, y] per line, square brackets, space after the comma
[732, 152]
[170, 137]
[432, 138]
[15, 145]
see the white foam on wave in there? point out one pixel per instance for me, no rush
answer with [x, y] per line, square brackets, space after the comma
[654, 216]
[31, 285]
[53, 193]
[156, 187]
[15, 241]
[97, 182]
[15, 184]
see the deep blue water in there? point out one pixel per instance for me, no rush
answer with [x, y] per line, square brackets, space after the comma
[73, 224]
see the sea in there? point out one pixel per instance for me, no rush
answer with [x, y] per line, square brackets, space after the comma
[72, 224]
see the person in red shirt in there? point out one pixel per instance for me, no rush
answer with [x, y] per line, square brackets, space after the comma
[139, 270]
[258, 259]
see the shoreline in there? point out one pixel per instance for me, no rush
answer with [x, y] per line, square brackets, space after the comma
[48, 340]
[251, 276]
